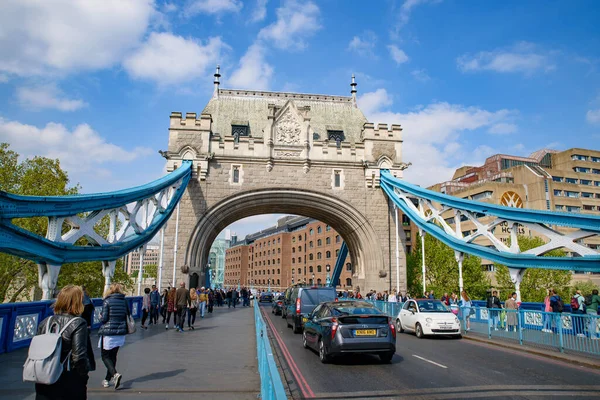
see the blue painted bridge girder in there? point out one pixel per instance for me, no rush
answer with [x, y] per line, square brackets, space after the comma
[25, 244]
[339, 265]
[588, 223]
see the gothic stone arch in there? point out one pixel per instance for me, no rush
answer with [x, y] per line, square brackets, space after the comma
[281, 160]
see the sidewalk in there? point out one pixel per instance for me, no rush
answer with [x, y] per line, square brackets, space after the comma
[219, 356]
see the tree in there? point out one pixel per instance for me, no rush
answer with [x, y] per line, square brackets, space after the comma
[536, 281]
[586, 287]
[442, 270]
[40, 176]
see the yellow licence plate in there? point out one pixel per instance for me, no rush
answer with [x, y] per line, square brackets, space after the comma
[365, 332]
[304, 320]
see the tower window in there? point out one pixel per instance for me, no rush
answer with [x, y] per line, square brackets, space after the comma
[337, 136]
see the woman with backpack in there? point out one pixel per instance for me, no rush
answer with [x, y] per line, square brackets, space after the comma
[112, 332]
[72, 383]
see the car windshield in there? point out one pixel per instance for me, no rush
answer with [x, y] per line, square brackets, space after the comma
[432, 306]
[353, 308]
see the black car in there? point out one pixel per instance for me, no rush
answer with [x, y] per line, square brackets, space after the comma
[265, 297]
[277, 304]
[335, 328]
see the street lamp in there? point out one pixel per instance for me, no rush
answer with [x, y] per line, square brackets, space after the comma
[269, 284]
[313, 280]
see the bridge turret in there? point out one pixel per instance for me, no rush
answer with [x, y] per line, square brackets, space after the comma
[383, 150]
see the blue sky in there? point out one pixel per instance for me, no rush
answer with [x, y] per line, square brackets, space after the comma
[93, 83]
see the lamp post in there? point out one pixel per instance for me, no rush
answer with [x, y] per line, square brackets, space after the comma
[313, 280]
[269, 281]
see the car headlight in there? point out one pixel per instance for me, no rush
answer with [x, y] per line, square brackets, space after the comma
[428, 320]
[456, 320]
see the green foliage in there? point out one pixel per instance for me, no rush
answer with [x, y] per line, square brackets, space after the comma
[40, 176]
[150, 271]
[536, 281]
[442, 270]
[586, 287]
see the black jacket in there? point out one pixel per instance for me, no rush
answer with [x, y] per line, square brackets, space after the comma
[493, 302]
[114, 315]
[75, 339]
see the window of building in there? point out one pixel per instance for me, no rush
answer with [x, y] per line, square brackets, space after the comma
[327, 240]
[328, 267]
[299, 271]
[348, 282]
[319, 242]
[559, 207]
[587, 195]
[571, 180]
[558, 192]
[589, 208]
[595, 159]
[582, 170]
[348, 266]
[293, 239]
[268, 262]
[318, 268]
[337, 178]
[278, 271]
[337, 252]
[327, 228]
[337, 238]
[299, 259]
[328, 254]
[278, 260]
[558, 178]
[483, 195]
[310, 232]
[407, 234]
[299, 238]
[310, 256]
[279, 250]
[293, 260]
[573, 209]
[579, 157]
[571, 194]
[319, 281]
[596, 183]
[319, 229]
[337, 136]
[310, 244]
[239, 130]
[310, 269]
[595, 171]
[319, 255]
[586, 182]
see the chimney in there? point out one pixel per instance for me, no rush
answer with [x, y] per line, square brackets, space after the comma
[353, 91]
[216, 82]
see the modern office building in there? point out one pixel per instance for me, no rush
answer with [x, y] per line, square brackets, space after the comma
[151, 257]
[296, 250]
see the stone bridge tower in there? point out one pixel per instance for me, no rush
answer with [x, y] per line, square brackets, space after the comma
[313, 155]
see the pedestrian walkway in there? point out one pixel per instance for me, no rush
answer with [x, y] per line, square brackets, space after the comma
[218, 357]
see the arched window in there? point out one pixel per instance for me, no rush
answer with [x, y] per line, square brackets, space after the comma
[278, 240]
[310, 244]
[337, 252]
[299, 249]
[310, 232]
[319, 281]
[278, 271]
[293, 250]
[327, 228]
[348, 282]
[348, 267]
[327, 254]
[310, 269]
[279, 250]
[293, 239]
[293, 260]
[327, 240]
[299, 259]
[268, 262]
[318, 268]
[310, 256]
[319, 255]
[278, 260]
[337, 238]
[299, 238]
[278, 282]
[328, 267]
[319, 242]
[299, 271]
[319, 229]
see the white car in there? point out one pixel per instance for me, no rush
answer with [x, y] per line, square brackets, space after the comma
[427, 317]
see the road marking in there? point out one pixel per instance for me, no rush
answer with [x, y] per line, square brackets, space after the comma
[429, 361]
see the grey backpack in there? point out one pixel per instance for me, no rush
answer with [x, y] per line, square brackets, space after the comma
[43, 360]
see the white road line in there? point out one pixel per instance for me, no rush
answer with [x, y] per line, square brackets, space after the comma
[429, 361]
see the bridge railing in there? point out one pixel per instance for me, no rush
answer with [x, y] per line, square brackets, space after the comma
[271, 385]
[19, 321]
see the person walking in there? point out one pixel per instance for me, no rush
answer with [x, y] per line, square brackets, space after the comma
[182, 301]
[154, 305]
[88, 308]
[592, 303]
[112, 332]
[557, 306]
[578, 309]
[234, 297]
[512, 314]
[493, 303]
[164, 300]
[171, 298]
[202, 299]
[193, 309]
[76, 346]
[145, 307]
[547, 316]
[465, 307]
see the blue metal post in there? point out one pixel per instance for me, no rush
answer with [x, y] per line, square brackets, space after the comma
[339, 265]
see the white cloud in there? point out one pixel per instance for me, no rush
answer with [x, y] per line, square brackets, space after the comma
[48, 96]
[79, 150]
[213, 7]
[523, 57]
[260, 11]
[41, 37]
[295, 22]
[433, 134]
[593, 116]
[407, 7]
[3, 78]
[170, 7]
[397, 54]
[170, 59]
[371, 102]
[420, 75]
[253, 71]
[503, 128]
[363, 46]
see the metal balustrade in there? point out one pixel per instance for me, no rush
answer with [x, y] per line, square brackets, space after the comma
[19, 321]
[271, 385]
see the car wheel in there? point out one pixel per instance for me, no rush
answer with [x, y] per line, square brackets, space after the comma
[386, 357]
[457, 336]
[419, 331]
[399, 327]
[323, 356]
[304, 342]
[296, 328]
